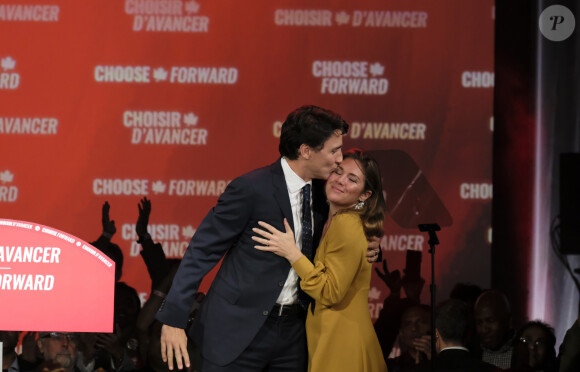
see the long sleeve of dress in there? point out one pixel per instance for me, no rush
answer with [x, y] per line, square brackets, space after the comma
[337, 261]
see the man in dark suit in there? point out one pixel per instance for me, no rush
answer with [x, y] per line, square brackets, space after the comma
[451, 326]
[250, 319]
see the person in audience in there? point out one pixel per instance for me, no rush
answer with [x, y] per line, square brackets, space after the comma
[158, 266]
[493, 323]
[535, 348]
[468, 293]
[58, 350]
[161, 271]
[118, 350]
[106, 246]
[388, 322]
[451, 324]
[414, 340]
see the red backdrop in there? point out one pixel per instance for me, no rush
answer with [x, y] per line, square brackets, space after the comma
[116, 100]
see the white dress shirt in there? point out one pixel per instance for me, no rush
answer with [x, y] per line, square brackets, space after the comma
[294, 183]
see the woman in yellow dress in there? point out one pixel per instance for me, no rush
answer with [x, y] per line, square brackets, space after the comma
[339, 329]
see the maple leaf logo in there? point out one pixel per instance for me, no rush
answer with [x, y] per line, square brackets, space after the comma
[192, 6]
[374, 294]
[377, 69]
[6, 176]
[8, 63]
[160, 74]
[342, 18]
[158, 187]
[190, 119]
[188, 231]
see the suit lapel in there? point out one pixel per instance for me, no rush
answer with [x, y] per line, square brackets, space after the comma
[281, 192]
[319, 210]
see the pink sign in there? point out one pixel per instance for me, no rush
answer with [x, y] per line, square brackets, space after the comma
[53, 281]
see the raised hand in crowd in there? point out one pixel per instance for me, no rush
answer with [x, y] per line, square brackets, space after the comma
[391, 278]
[413, 286]
[30, 353]
[151, 252]
[143, 220]
[109, 228]
[104, 244]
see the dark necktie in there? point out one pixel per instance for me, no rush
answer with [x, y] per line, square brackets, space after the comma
[306, 239]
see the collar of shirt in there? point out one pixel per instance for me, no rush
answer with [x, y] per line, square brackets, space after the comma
[293, 181]
[456, 348]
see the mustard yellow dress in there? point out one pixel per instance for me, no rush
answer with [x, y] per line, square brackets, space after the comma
[340, 333]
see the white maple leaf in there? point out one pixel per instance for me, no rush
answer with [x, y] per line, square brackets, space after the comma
[8, 63]
[6, 176]
[377, 69]
[341, 18]
[188, 231]
[158, 187]
[190, 119]
[160, 74]
[374, 294]
[192, 6]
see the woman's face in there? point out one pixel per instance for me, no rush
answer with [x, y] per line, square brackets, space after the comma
[534, 340]
[345, 185]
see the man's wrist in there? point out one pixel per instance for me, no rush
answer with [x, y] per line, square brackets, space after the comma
[143, 238]
[395, 294]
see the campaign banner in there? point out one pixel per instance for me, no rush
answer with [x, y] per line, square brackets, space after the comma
[113, 101]
[53, 281]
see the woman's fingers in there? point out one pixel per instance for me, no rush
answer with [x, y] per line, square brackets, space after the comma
[265, 234]
[262, 241]
[268, 227]
[287, 226]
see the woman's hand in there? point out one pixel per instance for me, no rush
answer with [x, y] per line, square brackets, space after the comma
[275, 241]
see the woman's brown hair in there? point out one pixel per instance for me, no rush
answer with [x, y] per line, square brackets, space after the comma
[372, 213]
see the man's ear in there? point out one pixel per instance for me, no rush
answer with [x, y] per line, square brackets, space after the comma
[305, 151]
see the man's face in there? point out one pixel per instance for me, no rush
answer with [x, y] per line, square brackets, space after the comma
[491, 325]
[59, 348]
[324, 161]
[415, 322]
